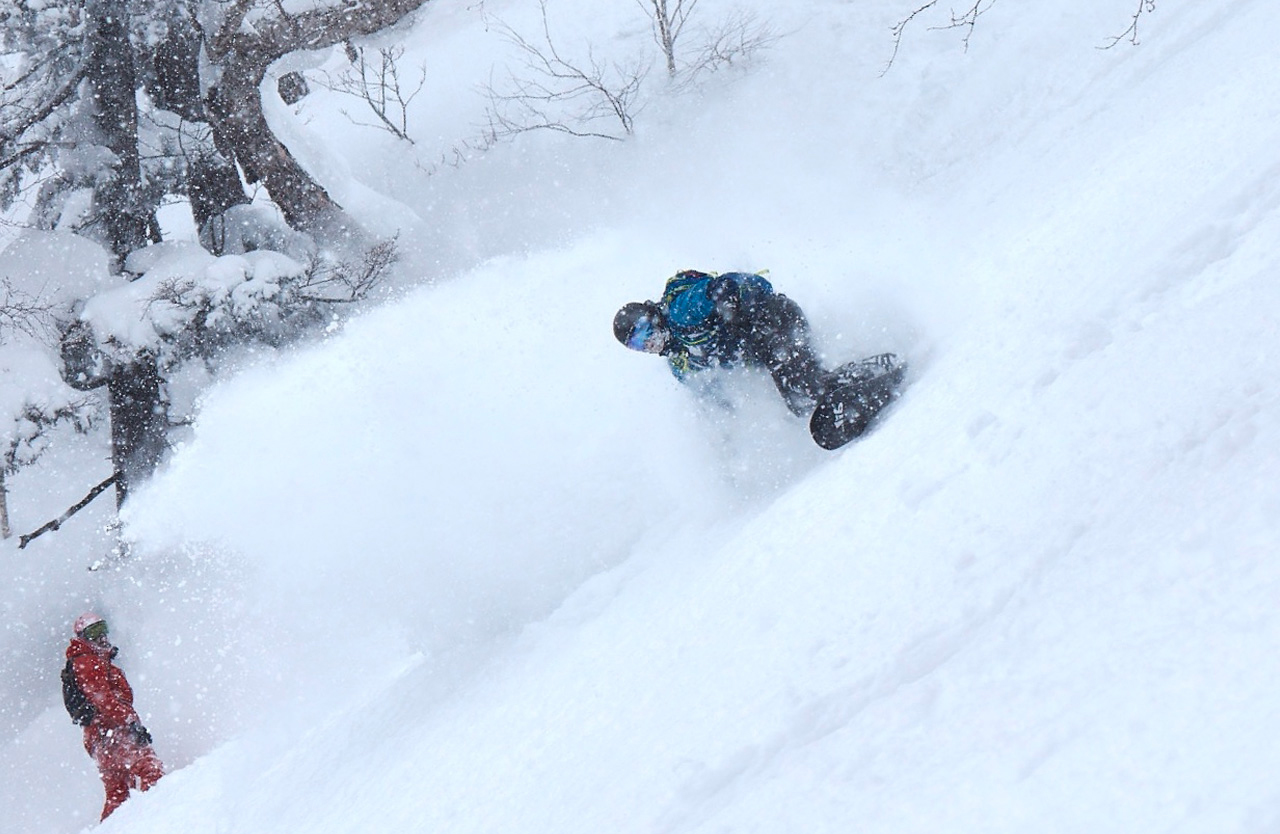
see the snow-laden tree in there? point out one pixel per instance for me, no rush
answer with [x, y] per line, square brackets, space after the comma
[199, 63]
[34, 399]
[108, 107]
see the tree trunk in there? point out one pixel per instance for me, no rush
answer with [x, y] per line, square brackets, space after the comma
[129, 223]
[243, 52]
[212, 182]
[213, 186]
[666, 35]
[137, 412]
[174, 81]
[5, 530]
[240, 125]
[138, 423]
[139, 417]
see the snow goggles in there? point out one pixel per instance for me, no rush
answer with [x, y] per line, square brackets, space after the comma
[95, 631]
[645, 335]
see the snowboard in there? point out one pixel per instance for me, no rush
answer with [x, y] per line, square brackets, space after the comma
[855, 395]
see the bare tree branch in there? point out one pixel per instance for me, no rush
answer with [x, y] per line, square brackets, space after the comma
[379, 87]
[965, 20]
[900, 28]
[668, 18]
[38, 115]
[25, 313]
[25, 540]
[21, 154]
[737, 39]
[968, 19]
[463, 151]
[1131, 34]
[353, 280]
[561, 95]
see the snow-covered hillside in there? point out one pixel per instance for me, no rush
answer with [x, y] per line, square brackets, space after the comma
[469, 566]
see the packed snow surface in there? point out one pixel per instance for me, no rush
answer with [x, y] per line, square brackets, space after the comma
[466, 565]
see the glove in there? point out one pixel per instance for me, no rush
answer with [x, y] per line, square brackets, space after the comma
[724, 293]
[140, 734]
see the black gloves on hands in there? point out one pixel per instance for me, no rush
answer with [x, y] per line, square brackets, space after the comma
[140, 734]
[725, 294]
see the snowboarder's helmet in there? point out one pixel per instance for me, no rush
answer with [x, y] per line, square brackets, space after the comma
[89, 625]
[640, 326]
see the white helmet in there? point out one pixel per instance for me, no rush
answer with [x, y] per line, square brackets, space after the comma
[85, 620]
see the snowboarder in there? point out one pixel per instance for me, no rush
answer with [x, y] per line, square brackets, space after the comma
[113, 735]
[704, 320]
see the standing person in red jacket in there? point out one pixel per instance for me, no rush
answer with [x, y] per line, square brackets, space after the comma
[115, 737]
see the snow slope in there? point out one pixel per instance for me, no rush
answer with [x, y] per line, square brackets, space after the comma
[469, 566]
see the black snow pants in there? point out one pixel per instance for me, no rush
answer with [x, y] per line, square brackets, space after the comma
[775, 335]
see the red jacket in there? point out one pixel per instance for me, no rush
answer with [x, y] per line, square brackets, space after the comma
[106, 688]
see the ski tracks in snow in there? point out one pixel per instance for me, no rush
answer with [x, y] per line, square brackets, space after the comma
[708, 788]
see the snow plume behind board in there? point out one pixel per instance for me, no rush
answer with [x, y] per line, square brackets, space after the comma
[469, 566]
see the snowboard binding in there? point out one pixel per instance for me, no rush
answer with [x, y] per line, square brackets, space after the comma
[855, 394]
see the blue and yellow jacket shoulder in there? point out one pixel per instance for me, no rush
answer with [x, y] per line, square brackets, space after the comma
[709, 317]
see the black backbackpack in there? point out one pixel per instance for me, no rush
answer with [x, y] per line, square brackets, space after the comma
[73, 697]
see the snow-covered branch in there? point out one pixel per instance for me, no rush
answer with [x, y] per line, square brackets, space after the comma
[187, 302]
[262, 31]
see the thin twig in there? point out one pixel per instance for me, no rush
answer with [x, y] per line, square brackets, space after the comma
[380, 88]
[967, 21]
[554, 81]
[1131, 34]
